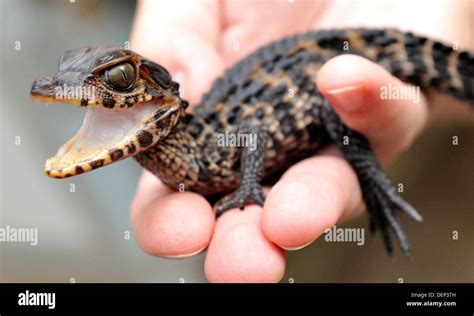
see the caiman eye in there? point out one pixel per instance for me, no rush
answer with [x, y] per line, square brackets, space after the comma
[121, 77]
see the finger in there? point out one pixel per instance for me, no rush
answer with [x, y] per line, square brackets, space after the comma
[149, 188]
[312, 195]
[365, 96]
[239, 252]
[170, 224]
[166, 223]
[240, 36]
[190, 53]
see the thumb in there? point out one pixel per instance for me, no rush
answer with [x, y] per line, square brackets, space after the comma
[183, 37]
[360, 92]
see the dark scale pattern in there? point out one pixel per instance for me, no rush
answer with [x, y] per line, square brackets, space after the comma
[466, 70]
[116, 154]
[144, 138]
[108, 100]
[272, 93]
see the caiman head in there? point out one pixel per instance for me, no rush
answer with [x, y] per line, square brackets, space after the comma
[131, 104]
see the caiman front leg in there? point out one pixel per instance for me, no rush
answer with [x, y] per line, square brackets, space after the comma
[251, 169]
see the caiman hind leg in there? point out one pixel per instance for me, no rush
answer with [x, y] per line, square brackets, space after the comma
[251, 169]
[382, 200]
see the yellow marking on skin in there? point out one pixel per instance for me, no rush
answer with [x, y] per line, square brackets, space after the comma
[273, 127]
[269, 110]
[279, 136]
[202, 136]
[357, 42]
[274, 80]
[300, 123]
[453, 70]
[51, 99]
[248, 111]
[312, 69]
[308, 45]
[220, 108]
[271, 154]
[182, 172]
[398, 48]
[427, 57]
[308, 120]
[299, 104]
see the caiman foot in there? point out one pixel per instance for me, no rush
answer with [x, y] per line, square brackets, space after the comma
[251, 193]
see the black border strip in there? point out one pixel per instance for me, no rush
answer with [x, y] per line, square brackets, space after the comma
[381, 299]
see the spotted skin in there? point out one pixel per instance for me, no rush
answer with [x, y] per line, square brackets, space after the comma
[271, 94]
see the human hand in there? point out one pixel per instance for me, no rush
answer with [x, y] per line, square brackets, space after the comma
[196, 41]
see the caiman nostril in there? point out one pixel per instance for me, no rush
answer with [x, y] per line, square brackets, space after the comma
[43, 86]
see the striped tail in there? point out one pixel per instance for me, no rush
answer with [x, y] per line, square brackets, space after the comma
[414, 59]
[427, 63]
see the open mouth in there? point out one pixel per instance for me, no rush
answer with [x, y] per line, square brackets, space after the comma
[105, 136]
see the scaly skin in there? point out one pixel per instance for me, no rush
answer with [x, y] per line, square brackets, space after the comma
[269, 95]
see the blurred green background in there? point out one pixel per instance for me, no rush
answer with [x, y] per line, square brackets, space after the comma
[81, 233]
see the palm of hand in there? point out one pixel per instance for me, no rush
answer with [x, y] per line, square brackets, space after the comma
[314, 194]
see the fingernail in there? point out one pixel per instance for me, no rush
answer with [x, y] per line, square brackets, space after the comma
[184, 255]
[347, 98]
[296, 248]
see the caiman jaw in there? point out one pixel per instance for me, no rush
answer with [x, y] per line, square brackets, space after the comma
[131, 103]
[105, 136]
